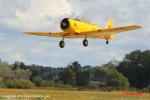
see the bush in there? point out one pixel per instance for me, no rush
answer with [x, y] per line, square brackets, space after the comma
[46, 83]
[21, 83]
[37, 81]
[58, 84]
[93, 85]
[115, 79]
[61, 85]
[1, 82]
[146, 89]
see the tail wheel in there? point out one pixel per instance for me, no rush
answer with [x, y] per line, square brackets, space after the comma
[107, 42]
[61, 44]
[85, 42]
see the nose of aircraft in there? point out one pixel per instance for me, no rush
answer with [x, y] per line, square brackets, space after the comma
[64, 24]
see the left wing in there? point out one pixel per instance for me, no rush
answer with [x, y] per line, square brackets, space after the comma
[112, 30]
[51, 34]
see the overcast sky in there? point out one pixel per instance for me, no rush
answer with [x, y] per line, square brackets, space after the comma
[17, 16]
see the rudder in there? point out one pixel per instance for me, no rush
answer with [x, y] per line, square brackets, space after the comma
[109, 24]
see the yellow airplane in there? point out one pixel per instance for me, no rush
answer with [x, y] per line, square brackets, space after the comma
[77, 28]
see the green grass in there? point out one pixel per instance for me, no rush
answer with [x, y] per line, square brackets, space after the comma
[56, 94]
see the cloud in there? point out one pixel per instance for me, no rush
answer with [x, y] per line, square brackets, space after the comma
[8, 8]
[45, 15]
[33, 14]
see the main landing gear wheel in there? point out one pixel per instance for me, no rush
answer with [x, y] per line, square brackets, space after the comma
[107, 42]
[62, 44]
[85, 42]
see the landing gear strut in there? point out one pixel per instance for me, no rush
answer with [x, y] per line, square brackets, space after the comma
[85, 42]
[107, 42]
[62, 44]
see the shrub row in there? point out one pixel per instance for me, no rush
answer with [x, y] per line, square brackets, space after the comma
[21, 83]
[54, 84]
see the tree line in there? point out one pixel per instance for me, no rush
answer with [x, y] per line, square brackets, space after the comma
[131, 72]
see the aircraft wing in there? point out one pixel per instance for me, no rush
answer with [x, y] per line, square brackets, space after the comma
[51, 34]
[112, 30]
[90, 34]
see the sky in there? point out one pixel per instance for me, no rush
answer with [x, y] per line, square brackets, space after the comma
[17, 16]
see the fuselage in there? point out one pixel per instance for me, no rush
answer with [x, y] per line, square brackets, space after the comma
[75, 26]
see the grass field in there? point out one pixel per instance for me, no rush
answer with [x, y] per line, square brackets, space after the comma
[56, 94]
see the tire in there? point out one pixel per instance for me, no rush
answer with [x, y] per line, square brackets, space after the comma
[107, 42]
[61, 44]
[85, 42]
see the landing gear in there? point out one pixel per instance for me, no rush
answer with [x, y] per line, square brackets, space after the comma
[85, 42]
[107, 42]
[62, 44]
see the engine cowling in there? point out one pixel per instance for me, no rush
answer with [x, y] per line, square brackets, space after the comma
[64, 24]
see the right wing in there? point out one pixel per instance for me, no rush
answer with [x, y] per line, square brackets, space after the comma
[51, 34]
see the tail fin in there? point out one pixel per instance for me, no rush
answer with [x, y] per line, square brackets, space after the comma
[109, 24]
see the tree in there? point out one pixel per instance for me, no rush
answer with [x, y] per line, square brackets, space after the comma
[37, 80]
[136, 67]
[19, 65]
[68, 76]
[110, 76]
[115, 79]
[15, 65]
[22, 73]
[75, 75]
[3, 64]
[83, 77]
[6, 72]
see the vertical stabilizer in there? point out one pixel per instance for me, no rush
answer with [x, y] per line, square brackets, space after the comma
[109, 24]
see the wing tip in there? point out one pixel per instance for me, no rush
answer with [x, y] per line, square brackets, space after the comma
[28, 33]
[25, 32]
[138, 26]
